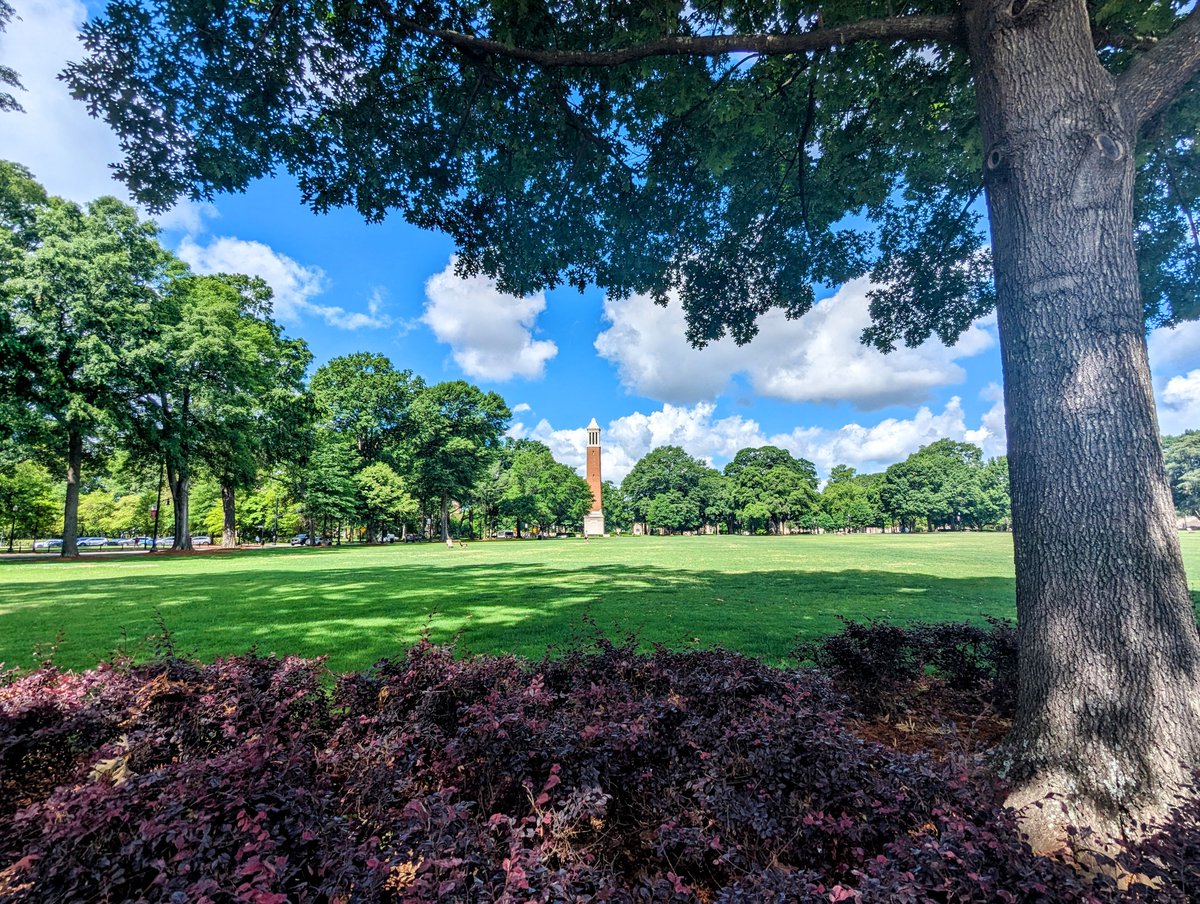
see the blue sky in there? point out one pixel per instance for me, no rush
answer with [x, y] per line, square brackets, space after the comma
[559, 358]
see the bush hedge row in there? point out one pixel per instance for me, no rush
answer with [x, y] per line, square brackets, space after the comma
[601, 775]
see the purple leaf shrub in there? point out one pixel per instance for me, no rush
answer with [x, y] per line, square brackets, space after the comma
[601, 775]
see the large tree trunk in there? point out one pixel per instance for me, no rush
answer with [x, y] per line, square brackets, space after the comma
[70, 534]
[1109, 703]
[229, 513]
[179, 484]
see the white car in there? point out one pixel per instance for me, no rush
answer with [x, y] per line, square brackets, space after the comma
[47, 544]
[202, 540]
[92, 541]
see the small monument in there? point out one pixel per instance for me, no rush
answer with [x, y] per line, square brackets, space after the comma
[593, 522]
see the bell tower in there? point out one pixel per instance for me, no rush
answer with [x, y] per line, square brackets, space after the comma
[593, 522]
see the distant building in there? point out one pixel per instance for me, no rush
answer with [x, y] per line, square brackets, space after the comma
[593, 522]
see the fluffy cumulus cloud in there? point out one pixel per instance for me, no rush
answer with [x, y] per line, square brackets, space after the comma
[817, 358]
[295, 285]
[873, 448]
[1175, 368]
[715, 440]
[490, 334]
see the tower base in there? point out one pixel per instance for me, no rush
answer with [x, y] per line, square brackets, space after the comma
[593, 524]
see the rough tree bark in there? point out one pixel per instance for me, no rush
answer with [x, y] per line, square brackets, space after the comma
[70, 535]
[229, 513]
[179, 484]
[1109, 707]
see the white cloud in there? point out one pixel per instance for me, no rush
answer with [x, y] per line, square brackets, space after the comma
[294, 284]
[67, 150]
[875, 447]
[490, 334]
[1179, 403]
[521, 408]
[716, 440]
[991, 434]
[1175, 369]
[189, 217]
[817, 358]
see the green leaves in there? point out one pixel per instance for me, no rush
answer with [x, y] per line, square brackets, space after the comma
[736, 181]
[452, 432]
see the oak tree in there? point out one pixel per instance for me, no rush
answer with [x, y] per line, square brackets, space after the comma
[453, 430]
[734, 154]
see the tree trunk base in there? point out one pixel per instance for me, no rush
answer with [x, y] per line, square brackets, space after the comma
[1050, 818]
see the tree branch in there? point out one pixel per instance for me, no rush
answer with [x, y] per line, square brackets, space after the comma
[1157, 77]
[943, 28]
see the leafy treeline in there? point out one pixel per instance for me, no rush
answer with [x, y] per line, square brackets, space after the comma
[128, 374]
[148, 386]
[946, 484]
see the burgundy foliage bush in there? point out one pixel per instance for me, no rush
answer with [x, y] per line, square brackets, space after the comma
[602, 775]
[877, 664]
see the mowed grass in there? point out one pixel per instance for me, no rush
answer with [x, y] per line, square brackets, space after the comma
[356, 605]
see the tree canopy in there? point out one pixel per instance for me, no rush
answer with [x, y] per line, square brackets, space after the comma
[714, 150]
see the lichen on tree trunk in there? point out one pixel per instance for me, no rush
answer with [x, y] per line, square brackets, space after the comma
[1109, 705]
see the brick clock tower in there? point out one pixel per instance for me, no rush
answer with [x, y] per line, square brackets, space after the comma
[593, 522]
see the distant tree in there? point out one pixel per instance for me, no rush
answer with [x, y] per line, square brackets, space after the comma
[846, 502]
[673, 511]
[943, 484]
[617, 512]
[364, 396]
[716, 499]
[454, 430]
[330, 487]
[216, 379]
[526, 483]
[256, 412]
[386, 502]
[1182, 455]
[996, 507]
[28, 501]
[97, 513]
[77, 289]
[569, 498]
[769, 479]
[487, 493]
[669, 472]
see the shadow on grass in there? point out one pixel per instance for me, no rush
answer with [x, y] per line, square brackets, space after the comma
[355, 615]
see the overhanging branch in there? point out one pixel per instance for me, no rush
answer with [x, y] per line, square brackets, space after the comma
[1155, 79]
[943, 28]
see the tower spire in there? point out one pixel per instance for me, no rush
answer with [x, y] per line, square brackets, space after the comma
[593, 522]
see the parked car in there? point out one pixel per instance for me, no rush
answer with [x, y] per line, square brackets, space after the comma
[92, 541]
[47, 544]
[299, 540]
[202, 540]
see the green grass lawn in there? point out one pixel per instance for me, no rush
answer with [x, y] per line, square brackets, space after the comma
[355, 605]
